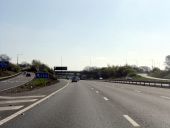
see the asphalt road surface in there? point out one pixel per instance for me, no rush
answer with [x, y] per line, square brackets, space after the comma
[149, 77]
[91, 104]
[15, 81]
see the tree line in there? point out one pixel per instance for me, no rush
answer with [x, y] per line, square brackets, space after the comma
[35, 66]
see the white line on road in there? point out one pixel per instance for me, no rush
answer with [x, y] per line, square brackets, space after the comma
[21, 97]
[138, 91]
[105, 98]
[92, 88]
[165, 97]
[131, 121]
[10, 108]
[97, 91]
[31, 106]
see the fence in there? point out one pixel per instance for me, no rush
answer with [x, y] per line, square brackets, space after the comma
[163, 84]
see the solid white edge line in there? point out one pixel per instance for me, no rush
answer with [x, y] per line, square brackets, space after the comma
[29, 107]
[105, 98]
[131, 121]
[165, 97]
[10, 108]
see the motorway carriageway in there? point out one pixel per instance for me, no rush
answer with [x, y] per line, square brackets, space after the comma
[92, 104]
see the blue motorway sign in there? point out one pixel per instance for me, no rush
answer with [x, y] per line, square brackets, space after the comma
[42, 75]
[4, 64]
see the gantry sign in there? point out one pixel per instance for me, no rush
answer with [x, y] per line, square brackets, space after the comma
[60, 68]
[60, 71]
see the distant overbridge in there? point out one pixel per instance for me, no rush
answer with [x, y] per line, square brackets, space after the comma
[67, 74]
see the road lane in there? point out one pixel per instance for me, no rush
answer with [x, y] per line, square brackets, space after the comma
[15, 81]
[144, 89]
[77, 106]
[150, 111]
[149, 77]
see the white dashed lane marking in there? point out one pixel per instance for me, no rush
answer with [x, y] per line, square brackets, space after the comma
[97, 91]
[131, 121]
[105, 98]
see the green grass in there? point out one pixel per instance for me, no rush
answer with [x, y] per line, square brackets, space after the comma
[34, 84]
[161, 74]
[6, 73]
[138, 78]
[39, 82]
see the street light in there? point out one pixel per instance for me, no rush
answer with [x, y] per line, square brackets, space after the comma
[18, 58]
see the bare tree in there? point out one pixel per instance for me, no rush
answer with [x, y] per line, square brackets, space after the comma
[4, 57]
[145, 68]
[167, 62]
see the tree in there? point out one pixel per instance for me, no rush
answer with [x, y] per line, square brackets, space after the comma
[36, 64]
[91, 72]
[167, 62]
[145, 69]
[156, 70]
[41, 67]
[25, 63]
[4, 57]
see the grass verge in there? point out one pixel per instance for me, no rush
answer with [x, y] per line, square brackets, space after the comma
[139, 78]
[6, 73]
[34, 84]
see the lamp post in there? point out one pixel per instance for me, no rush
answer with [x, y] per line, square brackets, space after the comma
[18, 58]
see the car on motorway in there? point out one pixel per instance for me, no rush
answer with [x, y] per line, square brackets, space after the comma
[28, 75]
[74, 79]
[100, 78]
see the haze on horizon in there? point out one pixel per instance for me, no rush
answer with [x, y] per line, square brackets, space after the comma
[86, 32]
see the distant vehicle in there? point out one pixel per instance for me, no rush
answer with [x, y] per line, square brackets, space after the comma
[74, 79]
[78, 78]
[28, 75]
[100, 78]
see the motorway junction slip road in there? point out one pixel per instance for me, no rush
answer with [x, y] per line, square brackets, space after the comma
[87, 104]
[14, 82]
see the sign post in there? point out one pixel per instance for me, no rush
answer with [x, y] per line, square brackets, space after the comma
[60, 69]
[42, 75]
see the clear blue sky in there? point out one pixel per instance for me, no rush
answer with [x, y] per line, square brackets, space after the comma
[86, 32]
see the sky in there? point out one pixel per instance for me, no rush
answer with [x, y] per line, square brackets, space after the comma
[86, 32]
